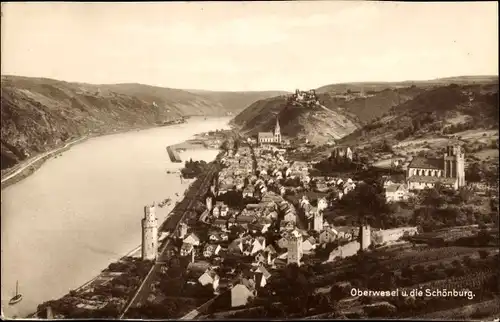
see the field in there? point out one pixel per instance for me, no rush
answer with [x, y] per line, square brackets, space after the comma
[416, 142]
[487, 154]
[486, 309]
[476, 134]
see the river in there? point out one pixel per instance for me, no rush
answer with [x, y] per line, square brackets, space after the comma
[79, 212]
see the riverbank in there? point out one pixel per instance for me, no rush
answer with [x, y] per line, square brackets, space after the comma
[107, 295]
[107, 275]
[33, 164]
[84, 209]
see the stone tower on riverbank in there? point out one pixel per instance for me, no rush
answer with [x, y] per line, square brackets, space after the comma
[149, 234]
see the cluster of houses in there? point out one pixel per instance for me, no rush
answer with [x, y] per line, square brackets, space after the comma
[266, 232]
[242, 233]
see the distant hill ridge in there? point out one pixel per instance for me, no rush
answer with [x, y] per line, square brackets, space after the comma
[354, 106]
[39, 113]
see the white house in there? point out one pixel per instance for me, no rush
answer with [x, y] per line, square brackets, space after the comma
[308, 245]
[242, 292]
[258, 244]
[192, 239]
[396, 192]
[210, 277]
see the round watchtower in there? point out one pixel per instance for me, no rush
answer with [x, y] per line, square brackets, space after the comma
[149, 234]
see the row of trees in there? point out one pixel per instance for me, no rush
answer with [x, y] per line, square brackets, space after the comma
[193, 169]
[441, 207]
[481, 172]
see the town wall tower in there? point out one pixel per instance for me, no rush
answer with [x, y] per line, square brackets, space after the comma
[149, 234]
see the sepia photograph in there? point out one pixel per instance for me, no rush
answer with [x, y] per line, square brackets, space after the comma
[266, 160]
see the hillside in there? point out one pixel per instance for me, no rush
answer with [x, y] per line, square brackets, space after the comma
[368, 104]
[318, 123]
[40, 114]
[380, 86]
[356, 108]
[237, 101]
[424, 124]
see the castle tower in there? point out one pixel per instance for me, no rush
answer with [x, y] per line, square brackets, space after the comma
[318, 221]
[149, 234]
[365, 238]
[454, 164]
[294, 250]
[277, 132]
[208, 202]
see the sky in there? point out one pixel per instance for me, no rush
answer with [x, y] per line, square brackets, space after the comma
[248, 46]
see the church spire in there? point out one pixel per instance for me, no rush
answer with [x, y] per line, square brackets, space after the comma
[277, 129]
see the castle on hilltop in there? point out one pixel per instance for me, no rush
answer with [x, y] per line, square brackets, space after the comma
[304, 97]
[271, 137]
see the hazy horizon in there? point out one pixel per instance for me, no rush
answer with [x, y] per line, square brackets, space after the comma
[244, 46]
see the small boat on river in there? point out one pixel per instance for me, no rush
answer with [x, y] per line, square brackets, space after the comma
[18, 297]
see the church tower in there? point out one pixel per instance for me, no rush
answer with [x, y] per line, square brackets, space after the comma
[318, 221]
[454, 164]
[277, 132]
[294, 250]
[149, 234]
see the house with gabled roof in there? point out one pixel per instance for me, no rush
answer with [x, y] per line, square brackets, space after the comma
[309, 245]
[260, 258]
[322, 204]
[347, 232]
[260, 276]
[242, 292]
[290, 216]
[244, 220]
[396, 192]
[211, 250]
[192, 239]
[220, 223]
[231, 222]
[186, 249]
[214, 236]
[282, 242]
[210, 277]
[328, 235]
[258, 244]
[287, 225]
[224, 209]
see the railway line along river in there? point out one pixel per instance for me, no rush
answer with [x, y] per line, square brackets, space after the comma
[79, 212]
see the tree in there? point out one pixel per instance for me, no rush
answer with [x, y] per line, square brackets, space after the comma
[366, 203]
[432, 198]
[225, 146]
[473, 173]
[339, 291]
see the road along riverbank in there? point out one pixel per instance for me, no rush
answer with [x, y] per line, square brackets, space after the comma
[29, 166]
